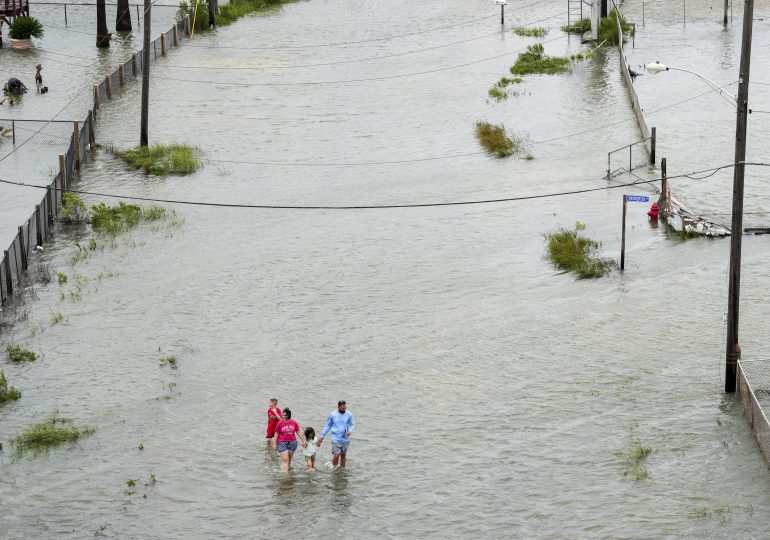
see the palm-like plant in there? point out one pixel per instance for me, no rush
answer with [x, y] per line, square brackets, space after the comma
[25, 27]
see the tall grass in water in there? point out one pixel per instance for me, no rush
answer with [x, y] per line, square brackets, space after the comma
[117, 219]
[7, 393]
[17, 354]
[54, 432]
[534, 61]
[163, 160]
[537, 31]
[495, 140]
[608, 28]
[580, 27]
[571, 251]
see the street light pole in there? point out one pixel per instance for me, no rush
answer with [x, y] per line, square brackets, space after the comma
[736, 233]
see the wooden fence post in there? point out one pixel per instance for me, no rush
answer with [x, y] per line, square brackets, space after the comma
[91, 131]
[122, 74]
[134, 70]
[63, 173]
[38, 226]
[23, 250]
[8, 279]
[187, 24]
[654, 137]
[175, 33]
[163, 44]
[49, 205]
[76, 144]
[108, 86]
[97, 97]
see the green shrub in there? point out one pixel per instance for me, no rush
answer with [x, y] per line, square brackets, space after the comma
[17, 354]
[73, 207]
[61, 277]
[115, 219]
[497, 94]
[48, 434]
[198, 12]
[580, 27]
[495, 140]
[608, 28]
[7, 393]
[24, 27]
[569, 250]
[164, 159]
[535, 61]
[537, 31]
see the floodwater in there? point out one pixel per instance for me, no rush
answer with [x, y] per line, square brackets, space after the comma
[494, 395]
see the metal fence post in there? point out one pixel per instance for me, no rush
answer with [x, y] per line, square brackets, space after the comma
[653, 143]
[91, 131]
[23, 250]
[38, 226]
[13, 131]
[63, 173]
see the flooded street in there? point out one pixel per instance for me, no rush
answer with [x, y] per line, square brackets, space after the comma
[494, 395]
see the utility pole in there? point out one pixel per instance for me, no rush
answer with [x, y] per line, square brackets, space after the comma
[123, 17]
[145, 73]
[724, 20]
[736, 233]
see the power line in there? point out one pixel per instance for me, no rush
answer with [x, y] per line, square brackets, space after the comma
[372, 207]
[385, 38]
[369, 59]
[369, 79]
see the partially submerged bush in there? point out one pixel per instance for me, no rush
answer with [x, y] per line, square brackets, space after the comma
[535, 61]
[7, 393]
[537, 31]
[164, 159]
[73, 208]
[498, 92]
[236, 9]
[198, 12]
[17, 354]
[572, 251]
[117, 219]
[608, 28]
[50, 433]
[580, 27]
[495, 140]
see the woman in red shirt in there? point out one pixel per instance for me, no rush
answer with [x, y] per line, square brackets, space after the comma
[286, 433]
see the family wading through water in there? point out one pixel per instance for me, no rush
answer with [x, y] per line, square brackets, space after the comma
[283, 432]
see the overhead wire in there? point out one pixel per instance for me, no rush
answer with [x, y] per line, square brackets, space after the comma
[374, 207]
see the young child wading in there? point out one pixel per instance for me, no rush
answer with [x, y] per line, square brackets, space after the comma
[273, 417]
[310, 448]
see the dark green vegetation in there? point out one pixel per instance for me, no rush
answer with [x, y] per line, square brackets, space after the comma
[499, 91]
[162, 159]
[573, 252]
[580, 27]
[17, 354]
[54, 432]
[495, 140]
[7, 393]
[25, 27]
[198, 12]
[61, 277]
[73, 207]
[169, 361]
[537, 31]
[534, 61]
[228, 13]
[608, 28]
[117, 219]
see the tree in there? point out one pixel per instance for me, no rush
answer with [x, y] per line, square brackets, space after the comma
[123, 17]
[102, 36]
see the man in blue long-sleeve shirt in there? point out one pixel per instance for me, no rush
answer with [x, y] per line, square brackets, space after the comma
[341, 424]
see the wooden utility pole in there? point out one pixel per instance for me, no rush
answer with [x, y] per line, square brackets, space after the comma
[736, 232]
[102, 36]
[623, 237]
[724, 20]
[145, 74]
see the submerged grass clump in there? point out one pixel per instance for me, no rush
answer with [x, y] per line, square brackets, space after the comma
[54, 432]
[608, 28]
[537, 31]
[534, 61]
[499, 91]
[495, 140]
[169, 361]
[117, 219]
[7, 393]
[573, 252]
[163, 160]
[18, 354]
[580, 27]
[228, 13]
[634, 458]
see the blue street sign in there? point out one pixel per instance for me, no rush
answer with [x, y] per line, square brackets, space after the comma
[637, 198]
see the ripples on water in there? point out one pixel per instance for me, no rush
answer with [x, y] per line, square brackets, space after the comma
[491, 392]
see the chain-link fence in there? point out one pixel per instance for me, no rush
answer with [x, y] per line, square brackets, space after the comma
[753, 391]
[80, 138]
